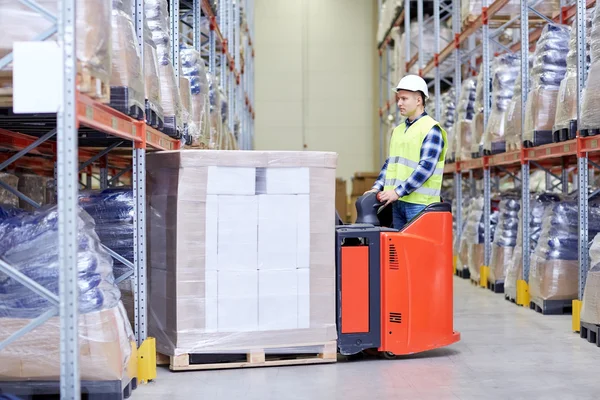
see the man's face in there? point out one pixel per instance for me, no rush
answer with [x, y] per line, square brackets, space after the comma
[408, 102]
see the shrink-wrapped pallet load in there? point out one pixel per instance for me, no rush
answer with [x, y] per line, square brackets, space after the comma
[157, 16]
[504, 77]
[554, 273]
[471, 9]
[92, 42]
[590, 310]
[460, 245]
[193, 68]
[505, 236]
[190, 129]
[565, 121]
[447, 114]
[126, 83]
[549, 69]
[154, 111]
[590, 118]
[241, 251]
[464, 119]
[28, 244]
[474, 236]
[513, 118]
[477, 126]
[215, 118]
[6, 197]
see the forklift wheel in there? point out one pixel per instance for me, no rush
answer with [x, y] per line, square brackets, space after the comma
[355, 357]
[388, 355]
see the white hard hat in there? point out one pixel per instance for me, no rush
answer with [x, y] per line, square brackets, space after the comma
[413, 83]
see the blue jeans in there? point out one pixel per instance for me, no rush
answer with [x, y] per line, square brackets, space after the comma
[403, 212]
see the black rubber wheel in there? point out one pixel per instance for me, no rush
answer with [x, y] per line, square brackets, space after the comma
[388, 355]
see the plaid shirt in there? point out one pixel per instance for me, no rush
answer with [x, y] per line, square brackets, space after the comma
[431, 150]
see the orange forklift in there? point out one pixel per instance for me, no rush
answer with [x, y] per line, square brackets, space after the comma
[394, 287]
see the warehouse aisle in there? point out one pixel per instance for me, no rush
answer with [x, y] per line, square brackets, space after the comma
[506, 352]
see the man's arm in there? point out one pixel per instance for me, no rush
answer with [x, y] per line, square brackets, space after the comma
[431, 150]
[380, 182]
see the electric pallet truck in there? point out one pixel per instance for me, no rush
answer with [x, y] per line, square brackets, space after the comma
[394, 287]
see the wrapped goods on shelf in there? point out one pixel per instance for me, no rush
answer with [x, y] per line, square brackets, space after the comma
[193, 68]
[34, 187]
[464, 117]
[6, 197]
[225, 142]
[397, 58]
[554, 273]
[471, 9]
[474, 235]
[505, 236]
[567, 94]
[513, 117]
[504, 75]
[151, 76]
[126, 82]
[549, 69]
[388, 11]
[157, 16]
[590, 118]
[241, 250]
[590, 310]
[192, 134]
[92, 23]
[214, 98]
[477, 126]
[460, 245]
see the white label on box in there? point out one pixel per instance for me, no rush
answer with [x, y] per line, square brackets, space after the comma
[231, 180]
[212, 230]
[277, 232]
[277, 300]
[238, 233]
[303, 276]
[211, 301]
[303, 236]
[288, 180]
[35, 91]
[238, 301]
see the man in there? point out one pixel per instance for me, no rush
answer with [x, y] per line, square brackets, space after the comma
[411, 177]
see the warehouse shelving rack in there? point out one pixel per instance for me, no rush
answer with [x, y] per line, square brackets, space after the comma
[91, 139]
[552, 158]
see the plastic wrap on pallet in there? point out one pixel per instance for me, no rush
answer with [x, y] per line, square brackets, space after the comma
[106, 348]
[474, 235]
[464, 117]
[505, 236]
[126, 59]
[7, 197]
[567, 94]
[504, 76]
[28, 243]
[554, 273]
[448, 113]
[50, 191]
[460, 244]
[277, 288]
[513, 117]
[193, 68]
[590, 119]
[92, 23]
[590, 311]
[214, 96]
[186, 108]
[471, 9]
[34, 187]
[549, 69]
[477, 126]
[151, 74]
[387, 13]
[158, 21]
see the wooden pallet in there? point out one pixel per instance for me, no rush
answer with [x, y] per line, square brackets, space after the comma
[314, 354]
[87, 83]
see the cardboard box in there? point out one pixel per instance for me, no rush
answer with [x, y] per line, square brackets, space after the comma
[362, 182]
[273, 282]
[341, 198]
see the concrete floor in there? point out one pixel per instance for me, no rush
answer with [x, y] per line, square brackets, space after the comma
[506, 352]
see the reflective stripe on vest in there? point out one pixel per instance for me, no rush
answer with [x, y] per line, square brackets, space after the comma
[405, 154]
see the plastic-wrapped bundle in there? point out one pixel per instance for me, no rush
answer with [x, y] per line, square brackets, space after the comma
[513, 120]
[214, 140]
[464, 118]
[190, 129]
[474, 235]
[193, 68]
[554, 265]
[590, 311]
[9, 211]
[447, 114]
[127, 84]
[460, 244]
[387, 12]
[34, 187]
[505, 236]
[7, 197]
[470, 9]
[567, 98]
[151, 76]
[590, 118]
[92, 42]
[28, 243]
[158, 21]
[477, 126]
[503, 84]
[549, 69]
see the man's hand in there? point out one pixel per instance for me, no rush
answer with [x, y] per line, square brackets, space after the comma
[387, 196]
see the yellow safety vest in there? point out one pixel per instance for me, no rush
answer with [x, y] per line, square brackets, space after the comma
[405, 154]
